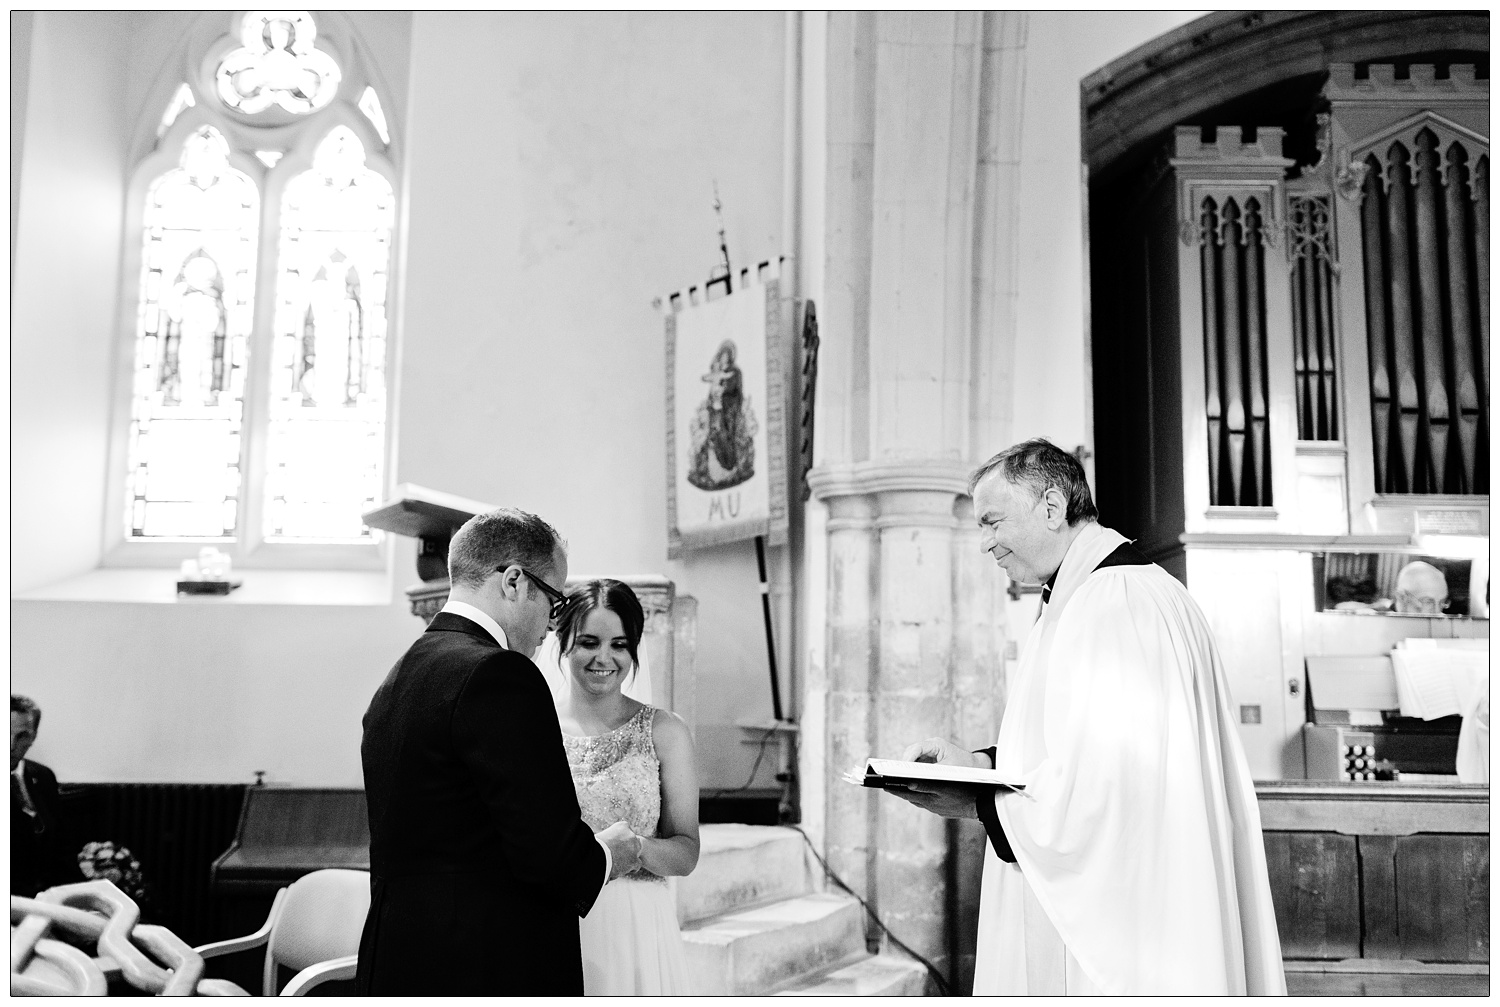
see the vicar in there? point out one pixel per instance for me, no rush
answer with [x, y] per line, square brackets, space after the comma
[1132, 862]
[480, 865]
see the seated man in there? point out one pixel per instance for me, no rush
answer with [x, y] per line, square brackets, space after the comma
[41, 856]
[1421, 589]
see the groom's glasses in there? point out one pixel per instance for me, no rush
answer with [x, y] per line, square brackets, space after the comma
[557, 598]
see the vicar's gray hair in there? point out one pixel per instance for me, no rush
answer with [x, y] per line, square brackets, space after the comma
[497, 539]
[1040, 465]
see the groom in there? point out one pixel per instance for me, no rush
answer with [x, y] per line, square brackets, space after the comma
[480, 866]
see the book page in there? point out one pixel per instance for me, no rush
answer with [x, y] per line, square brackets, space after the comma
[1434, 681]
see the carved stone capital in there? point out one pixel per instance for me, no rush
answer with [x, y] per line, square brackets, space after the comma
[874, 477]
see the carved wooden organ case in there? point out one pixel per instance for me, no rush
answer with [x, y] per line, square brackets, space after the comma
[1324, 328]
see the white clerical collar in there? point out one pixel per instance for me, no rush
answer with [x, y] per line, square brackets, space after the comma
[479, 616]
[1084, 553]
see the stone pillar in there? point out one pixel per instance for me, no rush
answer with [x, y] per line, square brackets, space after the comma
[914, 700]
[915, 293]
[890, 672]
[853, 576]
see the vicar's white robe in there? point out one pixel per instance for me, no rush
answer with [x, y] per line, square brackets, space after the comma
[1140, 866]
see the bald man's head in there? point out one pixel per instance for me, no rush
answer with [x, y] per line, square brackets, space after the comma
[1421, 589]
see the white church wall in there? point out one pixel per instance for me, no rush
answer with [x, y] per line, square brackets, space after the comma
[64, 284]
[1052, 379]
[559, 175]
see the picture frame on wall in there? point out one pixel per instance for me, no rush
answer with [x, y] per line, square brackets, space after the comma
[726, 363]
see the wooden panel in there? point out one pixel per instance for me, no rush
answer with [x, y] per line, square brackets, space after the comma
[1443, 897]
[1377, 862]
[1385, 984]
[1240, 594]
[1377, 817]
[1315, 889]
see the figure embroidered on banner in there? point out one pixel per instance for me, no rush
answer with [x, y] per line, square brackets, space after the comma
[722, 434]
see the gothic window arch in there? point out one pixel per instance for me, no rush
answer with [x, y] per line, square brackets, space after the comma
[256, 301]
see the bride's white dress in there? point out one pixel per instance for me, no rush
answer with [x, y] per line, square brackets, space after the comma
[630, 939]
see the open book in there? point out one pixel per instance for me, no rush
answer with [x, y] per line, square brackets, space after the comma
[1435, 678]
[892, 772]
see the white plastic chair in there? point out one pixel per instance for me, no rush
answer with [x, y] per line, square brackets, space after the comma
[314, 927]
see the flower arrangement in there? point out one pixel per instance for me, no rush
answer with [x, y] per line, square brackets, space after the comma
[108, 862]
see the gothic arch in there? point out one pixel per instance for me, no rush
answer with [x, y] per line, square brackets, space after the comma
[1228, 54]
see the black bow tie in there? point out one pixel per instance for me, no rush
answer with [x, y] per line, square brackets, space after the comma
[1046, 593]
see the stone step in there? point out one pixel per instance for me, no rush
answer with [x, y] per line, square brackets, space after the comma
[756, 950]
[882, 975]
[741, 866]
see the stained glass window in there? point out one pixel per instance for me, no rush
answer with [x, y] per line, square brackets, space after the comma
[277, 63]
[327, 432]
[301, 458]
[197, 291]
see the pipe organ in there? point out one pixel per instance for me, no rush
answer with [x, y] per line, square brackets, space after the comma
[1291, 356]
[1412, 170]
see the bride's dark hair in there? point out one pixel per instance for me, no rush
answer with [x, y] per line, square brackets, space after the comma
[614, 595]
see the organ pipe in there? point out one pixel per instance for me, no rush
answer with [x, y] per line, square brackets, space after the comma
[1209, 258]
[1430, 306]
[1377, 319]
[1461, 331]
[1407, 404]
[1232, 347]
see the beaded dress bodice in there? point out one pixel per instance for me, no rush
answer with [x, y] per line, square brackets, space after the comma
[618, 776]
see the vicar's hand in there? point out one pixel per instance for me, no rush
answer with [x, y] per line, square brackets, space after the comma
[944, 753]
[947, 800]
[624, 849]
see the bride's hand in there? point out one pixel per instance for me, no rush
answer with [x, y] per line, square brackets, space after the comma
[624, 849]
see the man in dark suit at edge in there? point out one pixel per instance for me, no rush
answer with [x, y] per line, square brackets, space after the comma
[41, 854]
[480, 865]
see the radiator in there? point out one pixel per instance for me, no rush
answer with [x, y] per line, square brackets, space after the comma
[175, 830]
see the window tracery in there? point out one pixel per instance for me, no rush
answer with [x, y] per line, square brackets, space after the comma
[277, 63]
[182, 99]
[369, 104]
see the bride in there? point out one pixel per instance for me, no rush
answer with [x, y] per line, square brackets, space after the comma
[634, 762]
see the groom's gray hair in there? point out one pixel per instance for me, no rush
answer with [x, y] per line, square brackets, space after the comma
[497, 539]
[1040, 465]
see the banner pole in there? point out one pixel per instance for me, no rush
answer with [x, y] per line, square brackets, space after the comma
[765, 610]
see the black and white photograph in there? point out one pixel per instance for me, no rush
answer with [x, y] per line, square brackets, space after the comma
[746, 503]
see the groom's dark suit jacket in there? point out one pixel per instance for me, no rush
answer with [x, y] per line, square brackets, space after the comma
[480, 865]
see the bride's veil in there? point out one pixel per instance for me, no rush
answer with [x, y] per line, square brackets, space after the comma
[560, 680]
